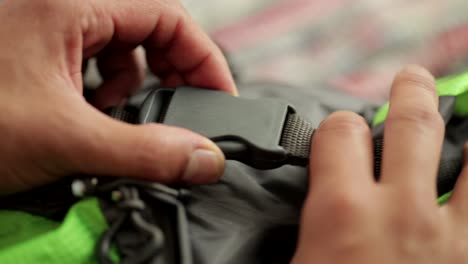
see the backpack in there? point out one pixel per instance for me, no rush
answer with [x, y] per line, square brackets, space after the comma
[250, 216]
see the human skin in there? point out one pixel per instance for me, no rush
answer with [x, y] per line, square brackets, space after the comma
[48, 130]
[349, 218]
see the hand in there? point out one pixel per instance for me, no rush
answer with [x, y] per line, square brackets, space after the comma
[48, 130]
[349, 218]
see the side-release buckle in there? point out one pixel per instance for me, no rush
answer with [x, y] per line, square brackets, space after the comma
[246, 130]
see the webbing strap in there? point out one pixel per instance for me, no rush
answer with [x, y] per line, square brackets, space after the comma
[297, 135]
[124, 113]
[296, 139]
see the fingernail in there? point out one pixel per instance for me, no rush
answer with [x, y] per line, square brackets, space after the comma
[204, 166]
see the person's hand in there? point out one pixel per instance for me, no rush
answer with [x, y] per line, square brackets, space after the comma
[48, 130]
[349, 218]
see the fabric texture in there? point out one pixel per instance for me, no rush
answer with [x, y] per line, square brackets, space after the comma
[296, 137]
[27, 238]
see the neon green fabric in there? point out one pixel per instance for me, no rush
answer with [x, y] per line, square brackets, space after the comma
[449, 86]
[452, 85]
[25, 238]
[444, 198]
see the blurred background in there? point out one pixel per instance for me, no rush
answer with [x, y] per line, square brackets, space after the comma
[354, 46]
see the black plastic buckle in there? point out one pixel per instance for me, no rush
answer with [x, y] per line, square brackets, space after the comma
[246, 130]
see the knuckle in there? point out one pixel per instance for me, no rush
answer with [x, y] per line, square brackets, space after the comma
[146, 155]
[419, 79]
[51, 8]
[418, 223]
[159, 156]
[459, 250]
[415, 236]
[172, 8]
[345, 206]
[429, 227]
[45, 6]
[60, 15]
[422, 117]
[344, 122]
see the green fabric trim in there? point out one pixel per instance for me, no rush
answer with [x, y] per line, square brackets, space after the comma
[452, 85]
[444, 198]
[449, 86]
[26, 238]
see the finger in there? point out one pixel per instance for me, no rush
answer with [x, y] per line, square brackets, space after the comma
[153, 152]
[459, 198]
[164, 28]
[341, 154]
[122, 74]
[414, 133]
[340, 170]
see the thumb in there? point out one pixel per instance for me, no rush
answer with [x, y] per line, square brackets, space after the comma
[151, 152]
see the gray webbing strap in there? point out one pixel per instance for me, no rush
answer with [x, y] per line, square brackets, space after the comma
[296, 139]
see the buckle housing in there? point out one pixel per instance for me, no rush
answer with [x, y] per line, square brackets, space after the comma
[246, 130]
